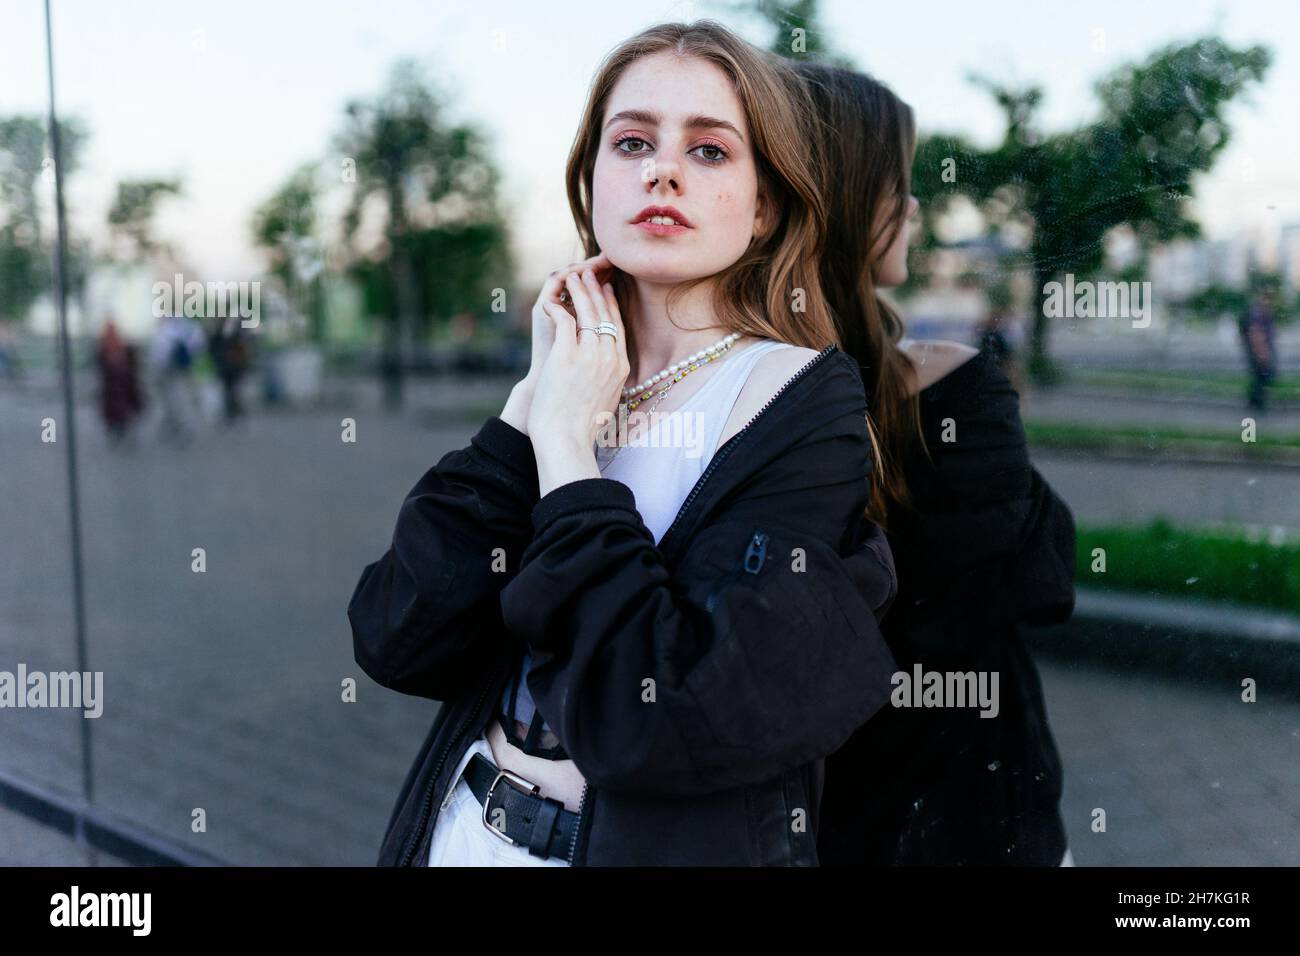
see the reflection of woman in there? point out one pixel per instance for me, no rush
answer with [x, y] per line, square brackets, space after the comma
[982, 543]
[659, 655]
[119, 383]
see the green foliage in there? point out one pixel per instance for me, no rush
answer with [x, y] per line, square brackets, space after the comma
[1215, 565]
[1156, 440]
[130, 218]
[25, 253]
[1161, 122]
[284, 226]
[435, 187]
[1214, 300]
[24, 272]
[290, 213]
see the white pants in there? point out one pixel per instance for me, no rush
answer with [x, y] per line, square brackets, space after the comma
[461, 838]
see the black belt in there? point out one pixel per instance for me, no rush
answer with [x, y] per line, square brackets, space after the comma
[539, 823]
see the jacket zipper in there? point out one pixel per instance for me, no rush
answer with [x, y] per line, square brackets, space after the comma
[721, 454]
[427, 808]
[756, 553]
[582, 825]
[751, 563]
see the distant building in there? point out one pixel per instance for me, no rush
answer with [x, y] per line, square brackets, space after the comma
[1184, 267]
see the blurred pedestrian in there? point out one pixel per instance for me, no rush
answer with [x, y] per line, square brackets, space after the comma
[1259, 338]
[120, 400]
[229, 346]
[176, 349]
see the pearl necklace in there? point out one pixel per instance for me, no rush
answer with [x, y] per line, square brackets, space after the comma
[674, 373]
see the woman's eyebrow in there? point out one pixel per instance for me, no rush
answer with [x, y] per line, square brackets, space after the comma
[692, 122]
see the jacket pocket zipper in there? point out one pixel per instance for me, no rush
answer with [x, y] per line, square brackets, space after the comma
[756, 553]
[751, 563]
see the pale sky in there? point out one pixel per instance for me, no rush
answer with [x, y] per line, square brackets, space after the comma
[233, 95]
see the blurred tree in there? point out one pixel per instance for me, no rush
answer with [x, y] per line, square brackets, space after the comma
[430, 185]
[1161, 122]
[25, 257]
[1215, 300]
[285, 226]
[797, 32]
[130, 218]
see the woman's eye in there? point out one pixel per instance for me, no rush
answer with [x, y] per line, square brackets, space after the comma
[711, 153]
[630, 139]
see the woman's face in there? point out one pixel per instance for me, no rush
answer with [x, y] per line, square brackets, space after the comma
[674, 135]
[890, 258]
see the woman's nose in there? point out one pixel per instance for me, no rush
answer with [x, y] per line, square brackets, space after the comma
[664, 173]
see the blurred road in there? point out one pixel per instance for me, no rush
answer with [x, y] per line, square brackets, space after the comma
[1095, 407]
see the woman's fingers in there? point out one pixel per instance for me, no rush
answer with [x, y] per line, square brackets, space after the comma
[583, 302]
[600, 265]
[597, 295]
[615, 318]
[553, 285]
[564, 327]
[607, 344]
[611, 309]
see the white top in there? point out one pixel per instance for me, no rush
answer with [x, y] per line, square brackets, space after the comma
[660, 482]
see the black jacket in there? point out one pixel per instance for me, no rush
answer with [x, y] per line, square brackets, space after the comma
[755, 618]
[987, 548]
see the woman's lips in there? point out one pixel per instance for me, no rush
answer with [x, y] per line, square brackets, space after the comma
[661, 228]
[659, 220]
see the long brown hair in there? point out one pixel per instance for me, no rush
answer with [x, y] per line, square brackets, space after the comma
[772, 290]
[868, 142]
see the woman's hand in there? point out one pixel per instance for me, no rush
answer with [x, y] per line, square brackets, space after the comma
[580, 383]
[516, 411]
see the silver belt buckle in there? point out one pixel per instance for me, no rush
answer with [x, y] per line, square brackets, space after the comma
[526, 785]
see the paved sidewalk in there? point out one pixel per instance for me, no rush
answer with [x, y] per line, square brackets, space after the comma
[24, 842]
[1107, 491]
[1187, 776]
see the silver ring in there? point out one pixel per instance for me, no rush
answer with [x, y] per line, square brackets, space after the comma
[607, 328]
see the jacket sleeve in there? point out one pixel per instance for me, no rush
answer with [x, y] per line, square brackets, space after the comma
[1002, 550]
[426, 617]
[758, 652]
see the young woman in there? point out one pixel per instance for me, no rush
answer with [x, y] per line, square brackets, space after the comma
[647, 664]
[982, 543]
